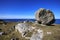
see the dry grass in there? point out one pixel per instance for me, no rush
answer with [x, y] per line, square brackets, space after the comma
[55, 30]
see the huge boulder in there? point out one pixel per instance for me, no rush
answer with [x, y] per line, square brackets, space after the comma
[44, 16]
[29, 32]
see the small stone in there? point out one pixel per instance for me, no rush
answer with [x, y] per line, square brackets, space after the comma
[36, 22]
[26, 21]
[1, 33]
[49, 33]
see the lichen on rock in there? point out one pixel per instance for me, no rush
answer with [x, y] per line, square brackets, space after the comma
[23, 28]
[44, 16]
[37, 35]
[29, 32]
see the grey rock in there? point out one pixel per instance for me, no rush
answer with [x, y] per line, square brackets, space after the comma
[1, 33]
[37, 36]
[26, 21]
[23, 28]
[44, 16]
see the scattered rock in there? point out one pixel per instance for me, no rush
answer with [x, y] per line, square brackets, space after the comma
[45, 17]
[49, 33]
[36, 22]
[26, 21]
[4, 33]
[2, 22]
[1, 33]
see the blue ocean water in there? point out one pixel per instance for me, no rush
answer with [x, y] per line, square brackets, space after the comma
[57, 21]
[21, 20]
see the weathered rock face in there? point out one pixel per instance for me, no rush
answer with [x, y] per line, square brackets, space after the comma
[38, 35]
[44, 16]
[26, 30]
[23, 28]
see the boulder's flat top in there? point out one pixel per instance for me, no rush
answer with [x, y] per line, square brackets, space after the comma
[50, 32]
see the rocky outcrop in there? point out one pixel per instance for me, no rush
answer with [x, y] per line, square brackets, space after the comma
[44, 16]
[25, 29]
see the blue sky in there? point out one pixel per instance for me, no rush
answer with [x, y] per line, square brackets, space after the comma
[12, 9]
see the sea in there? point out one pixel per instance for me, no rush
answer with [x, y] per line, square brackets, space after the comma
[21, 20]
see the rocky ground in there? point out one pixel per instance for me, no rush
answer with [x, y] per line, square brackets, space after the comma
[51, 32]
